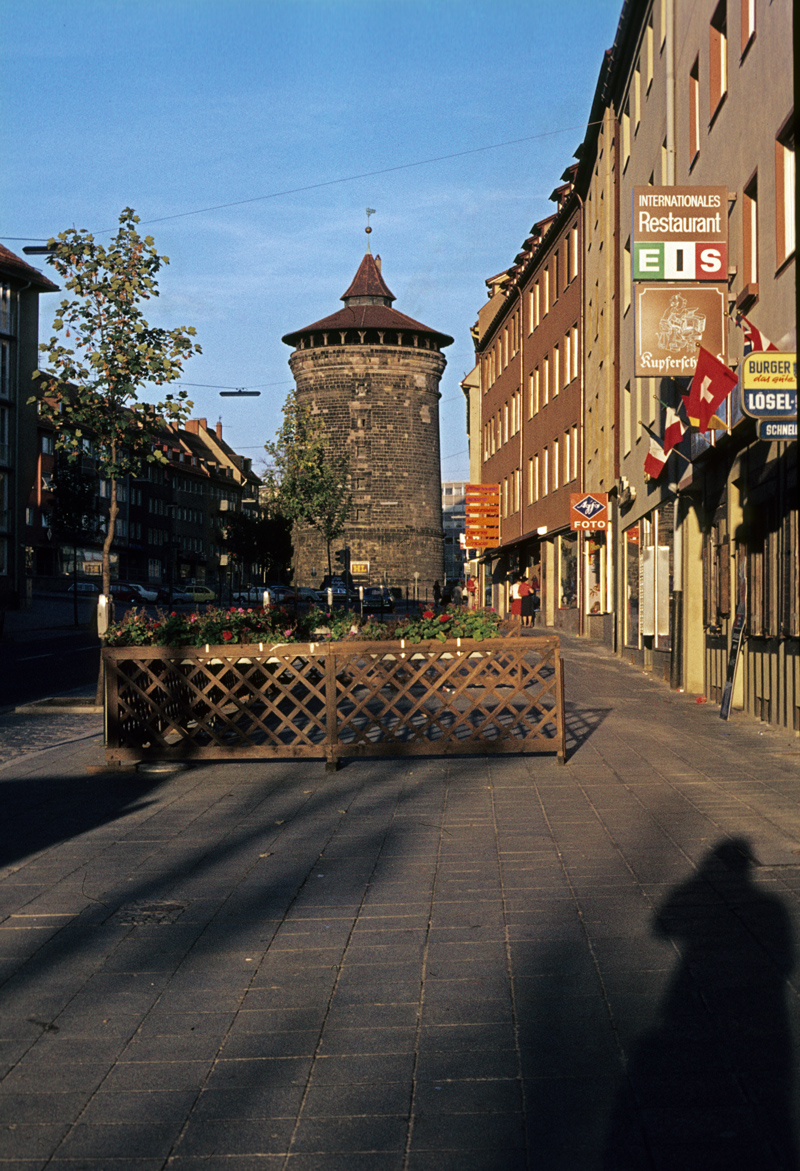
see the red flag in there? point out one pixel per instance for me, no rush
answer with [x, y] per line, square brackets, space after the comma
[711, 385]
[674, 428]
[656, 458]
[754, 339]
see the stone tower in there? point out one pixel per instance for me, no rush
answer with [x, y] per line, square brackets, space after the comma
[373, 375]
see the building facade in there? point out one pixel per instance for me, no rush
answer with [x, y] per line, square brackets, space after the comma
[20, 289]
[372, 375]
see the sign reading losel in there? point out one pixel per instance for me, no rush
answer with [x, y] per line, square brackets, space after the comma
[769, 385]
[680, 233]
[588, 511]
[672, 321]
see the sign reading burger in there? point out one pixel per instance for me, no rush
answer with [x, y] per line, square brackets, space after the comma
[680, 234]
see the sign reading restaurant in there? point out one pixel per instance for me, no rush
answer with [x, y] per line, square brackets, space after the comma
[680, 233]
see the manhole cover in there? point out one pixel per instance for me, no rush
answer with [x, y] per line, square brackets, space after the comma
[145, 914]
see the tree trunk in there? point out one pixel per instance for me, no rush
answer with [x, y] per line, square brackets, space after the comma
[112, 522]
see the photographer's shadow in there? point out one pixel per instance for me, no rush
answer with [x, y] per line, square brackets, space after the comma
[711, 1084]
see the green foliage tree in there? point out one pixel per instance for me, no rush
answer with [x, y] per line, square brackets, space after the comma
[75, 518]
[108, 356]
[310, 481]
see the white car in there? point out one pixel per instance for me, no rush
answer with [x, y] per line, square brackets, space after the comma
[146, 593]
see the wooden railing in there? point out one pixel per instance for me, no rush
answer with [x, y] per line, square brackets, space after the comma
[334, 700]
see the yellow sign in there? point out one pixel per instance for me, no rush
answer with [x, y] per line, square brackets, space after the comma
[359, 568]
[769, 385]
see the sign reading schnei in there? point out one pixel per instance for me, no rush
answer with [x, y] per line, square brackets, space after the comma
[588, 511]
[680, 233]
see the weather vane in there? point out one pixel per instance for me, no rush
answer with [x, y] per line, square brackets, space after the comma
[368, 229]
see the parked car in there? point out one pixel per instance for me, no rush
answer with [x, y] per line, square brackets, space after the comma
[252, 595]
[90, 588]
[146, 593]
[193, 593]
[377, 598]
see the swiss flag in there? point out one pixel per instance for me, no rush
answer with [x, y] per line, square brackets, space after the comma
[711, 385]
[754, 339]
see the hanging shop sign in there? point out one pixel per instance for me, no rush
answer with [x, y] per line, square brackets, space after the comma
[672, 321]
[769, 385]
[359, 568]
[680, 233]
[588, 511]
[482, 519]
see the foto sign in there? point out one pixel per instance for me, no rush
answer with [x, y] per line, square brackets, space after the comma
[680, 234]
[588, 511]
[769, 385]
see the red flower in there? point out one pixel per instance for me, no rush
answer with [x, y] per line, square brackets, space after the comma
[227, 635]
[444, 617]
[427, 613]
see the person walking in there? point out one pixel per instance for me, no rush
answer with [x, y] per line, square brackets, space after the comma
[528, 598]
[437, 594]
[516, 599]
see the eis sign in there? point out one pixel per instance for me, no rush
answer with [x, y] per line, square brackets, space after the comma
[680, 233]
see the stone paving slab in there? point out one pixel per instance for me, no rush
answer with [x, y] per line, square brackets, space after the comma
[486, 964]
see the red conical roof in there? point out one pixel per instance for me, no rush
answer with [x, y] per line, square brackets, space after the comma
[368, 281]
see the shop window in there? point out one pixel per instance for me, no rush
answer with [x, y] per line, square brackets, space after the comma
[596, 595]
[568, 571]
[632, 586]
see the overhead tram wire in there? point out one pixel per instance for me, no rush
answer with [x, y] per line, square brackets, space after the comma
[344, 179]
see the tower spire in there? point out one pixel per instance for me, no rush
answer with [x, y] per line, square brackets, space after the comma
[368, 229]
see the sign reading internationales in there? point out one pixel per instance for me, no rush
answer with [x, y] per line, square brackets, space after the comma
[680, 234]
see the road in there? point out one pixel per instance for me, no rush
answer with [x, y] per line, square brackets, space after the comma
[35, 668]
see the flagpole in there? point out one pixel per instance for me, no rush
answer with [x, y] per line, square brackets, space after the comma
[653, 435]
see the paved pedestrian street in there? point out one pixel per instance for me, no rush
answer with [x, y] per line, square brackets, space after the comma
[463, 964]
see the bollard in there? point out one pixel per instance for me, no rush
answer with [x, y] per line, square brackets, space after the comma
[361, 599]
[330, 598]
[266, 600]
[102, 615]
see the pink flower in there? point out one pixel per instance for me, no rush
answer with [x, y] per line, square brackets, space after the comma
[286, 633]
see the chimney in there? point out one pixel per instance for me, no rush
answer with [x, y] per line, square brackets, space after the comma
[378, 263]
[193, 426]
[219, 428]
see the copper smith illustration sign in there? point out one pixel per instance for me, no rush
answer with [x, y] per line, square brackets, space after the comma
[672, 320]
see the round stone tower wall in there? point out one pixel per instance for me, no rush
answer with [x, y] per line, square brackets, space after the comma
[380, 404]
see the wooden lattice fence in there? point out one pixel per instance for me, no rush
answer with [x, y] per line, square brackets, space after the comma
[333, 700]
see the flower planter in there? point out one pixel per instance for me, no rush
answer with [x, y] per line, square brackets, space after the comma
[333, 700]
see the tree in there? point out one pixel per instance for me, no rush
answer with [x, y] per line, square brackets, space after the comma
[310, 480]
[90, 390]
[265, 541]
[75, 518]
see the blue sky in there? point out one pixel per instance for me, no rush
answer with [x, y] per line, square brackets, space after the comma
[177, 106]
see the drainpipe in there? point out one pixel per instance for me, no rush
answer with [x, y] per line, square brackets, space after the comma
[582, 418]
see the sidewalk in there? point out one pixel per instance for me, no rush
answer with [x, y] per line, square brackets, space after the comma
[464, 964]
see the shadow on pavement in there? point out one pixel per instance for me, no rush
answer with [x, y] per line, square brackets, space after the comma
[711, 1084]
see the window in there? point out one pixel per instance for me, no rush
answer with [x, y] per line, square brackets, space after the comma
[637, 99]
[573, 253]
[48, 445]
[505, 422]
[566, 456]
[6, 363]
[748, 23]
[556, 278]
[568, 571]
[5, 453]
[784, 193]
[750, 236]
[546, 292]
[556, 369]
[517, 489]
[575, 452]
[30, 513]
[718, 57]
[545, 471]
[694, 111]
[546, 387]
[626, 136]
[533, 393]
[626, 418]
[574, 371]
[531, 481]
[536, 305]
[536, 480]
[6, 309]
[627, 291]
[649, 37]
